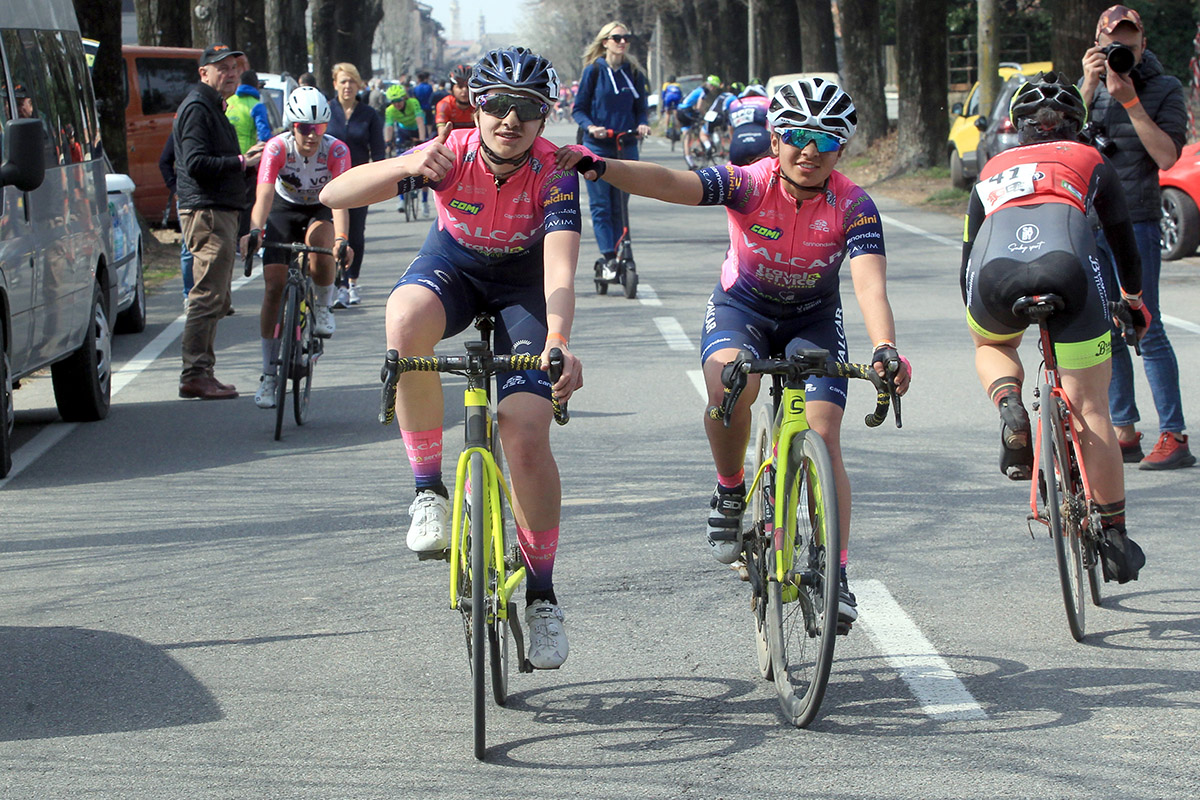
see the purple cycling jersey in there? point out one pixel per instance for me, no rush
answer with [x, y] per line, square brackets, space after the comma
[783, 251]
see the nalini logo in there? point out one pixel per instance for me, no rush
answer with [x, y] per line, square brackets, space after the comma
[557, 195]
[765, 232]
[470, 208]
[1028, 233]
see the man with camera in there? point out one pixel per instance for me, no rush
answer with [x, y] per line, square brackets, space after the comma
[1139, 121]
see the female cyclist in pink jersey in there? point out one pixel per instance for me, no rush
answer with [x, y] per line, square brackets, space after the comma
[506, 240]
[792, 221]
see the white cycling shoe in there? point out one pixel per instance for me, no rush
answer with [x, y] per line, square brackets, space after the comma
[547, 637]
[323, 322]
[429, 531]
[265, 396]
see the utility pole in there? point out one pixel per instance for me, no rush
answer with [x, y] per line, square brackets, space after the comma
[751, 56]
[988, 60]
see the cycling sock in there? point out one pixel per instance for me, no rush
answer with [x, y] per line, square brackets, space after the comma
[732, 481]
[1003, 388]
[538, 549]
[843, 560]
[1112, 515]
[269, 351]
[534, 595]
[424, 450]
[325, 294]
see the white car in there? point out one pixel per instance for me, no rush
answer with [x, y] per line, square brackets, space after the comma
[126, 255]
[276, 88]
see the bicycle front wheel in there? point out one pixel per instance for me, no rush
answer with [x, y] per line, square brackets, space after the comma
[802, 609]
[477, 568]
[1059, 485]
[498, 633]
[289, 310]
[756, 542]
[306, 353]
[410, 206]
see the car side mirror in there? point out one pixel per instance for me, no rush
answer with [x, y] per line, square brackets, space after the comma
[981, 123]
[957, 109]
[26, 142]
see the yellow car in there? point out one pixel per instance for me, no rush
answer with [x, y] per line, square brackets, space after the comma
[964, 134]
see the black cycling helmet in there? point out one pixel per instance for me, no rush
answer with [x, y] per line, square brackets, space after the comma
[461, 73]
[1048, 90]
[514, 68]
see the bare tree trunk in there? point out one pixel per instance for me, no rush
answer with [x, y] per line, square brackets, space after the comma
[250, 33]
[817, 50]
[921, 61]
[212, 22]
[285, 32]
[780, 52]
[863, 72]
[163, 23]
[324, 28]
[101, 20]
[1074, 31]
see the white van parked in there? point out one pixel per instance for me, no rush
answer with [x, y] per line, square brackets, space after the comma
[57, 288]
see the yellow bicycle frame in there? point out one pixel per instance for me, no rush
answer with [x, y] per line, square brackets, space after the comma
[790, 420]
[493, 484]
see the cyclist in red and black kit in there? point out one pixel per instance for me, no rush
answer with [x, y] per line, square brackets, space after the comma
[1027, 233]
[455, 110]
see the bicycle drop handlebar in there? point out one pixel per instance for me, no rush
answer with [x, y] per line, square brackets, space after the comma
[477, 366]
[295, 247]
[804, 364]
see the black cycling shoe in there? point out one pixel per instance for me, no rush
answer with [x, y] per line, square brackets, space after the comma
[847, 608]
[1016, 450]
[1120, 556]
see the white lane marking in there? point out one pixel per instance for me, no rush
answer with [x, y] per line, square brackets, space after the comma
[933, 237]
[931, 680]
[673, 332]
[647, 296]
[696, 376]
[51, 435]
[1190, 327]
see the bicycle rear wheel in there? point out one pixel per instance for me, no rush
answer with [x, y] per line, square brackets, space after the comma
[478, 573]
[756, 543]
[1061, 496]
[410, 206]
[289, 309]
[802, 611]
[498, 632]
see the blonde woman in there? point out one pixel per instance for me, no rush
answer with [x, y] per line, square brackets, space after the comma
[361, 128]
[611, 100]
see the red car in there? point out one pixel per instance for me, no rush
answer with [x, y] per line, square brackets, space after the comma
[1180, 195]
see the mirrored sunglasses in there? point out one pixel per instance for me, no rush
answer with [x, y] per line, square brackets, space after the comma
[826, 142]
[309, 128]
[500, 105]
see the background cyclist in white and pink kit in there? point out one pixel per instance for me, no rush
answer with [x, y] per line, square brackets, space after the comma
[505, 241]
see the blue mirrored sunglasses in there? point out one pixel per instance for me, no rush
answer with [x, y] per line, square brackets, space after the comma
[826, 142]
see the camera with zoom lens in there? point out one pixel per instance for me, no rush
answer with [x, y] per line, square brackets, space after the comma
[1092, 134]
[1119, 58]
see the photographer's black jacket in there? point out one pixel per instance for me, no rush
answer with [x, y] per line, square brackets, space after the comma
[1162, 97]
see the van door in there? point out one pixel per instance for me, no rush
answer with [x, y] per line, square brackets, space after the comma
[16, 252]
[161, 83]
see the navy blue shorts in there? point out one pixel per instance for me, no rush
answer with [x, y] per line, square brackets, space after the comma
[511, 289]
[731, 323]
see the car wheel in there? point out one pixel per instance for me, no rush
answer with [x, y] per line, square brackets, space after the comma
[6, 411]
[83, 380]
[957, 177]
[1180, 225]
[133, 319]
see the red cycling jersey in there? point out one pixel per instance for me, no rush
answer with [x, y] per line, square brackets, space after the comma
[448, 110]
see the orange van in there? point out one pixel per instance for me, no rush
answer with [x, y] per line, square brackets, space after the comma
[156, 81]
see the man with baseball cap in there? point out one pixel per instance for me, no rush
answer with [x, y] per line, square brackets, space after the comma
[211, 188]
[1141, 110]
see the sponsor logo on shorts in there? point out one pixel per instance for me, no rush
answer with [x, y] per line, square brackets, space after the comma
[1028, 236]
[462, 205]
[514, 380]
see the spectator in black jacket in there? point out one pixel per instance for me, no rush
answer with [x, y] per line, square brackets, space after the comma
[211, 187]
[1141, 110]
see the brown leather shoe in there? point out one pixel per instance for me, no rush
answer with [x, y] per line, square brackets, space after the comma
[206, 388]
[229, 387]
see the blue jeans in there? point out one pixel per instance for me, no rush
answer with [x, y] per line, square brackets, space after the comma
[603, 198]
[1158, 357]
[185, 262]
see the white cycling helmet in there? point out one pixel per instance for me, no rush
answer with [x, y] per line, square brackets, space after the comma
[306, 104]
[813, 103]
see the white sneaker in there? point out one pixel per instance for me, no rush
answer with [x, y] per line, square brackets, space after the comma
[323, 322]
[547, 638]
[265, 396]
[352, 296]
[343, 298]
[430, 522]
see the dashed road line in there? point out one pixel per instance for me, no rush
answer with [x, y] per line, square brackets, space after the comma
[673, 332]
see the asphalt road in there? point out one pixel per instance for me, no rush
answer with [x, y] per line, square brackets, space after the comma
[191, 609]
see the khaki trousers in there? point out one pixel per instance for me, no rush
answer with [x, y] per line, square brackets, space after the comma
[210, 234]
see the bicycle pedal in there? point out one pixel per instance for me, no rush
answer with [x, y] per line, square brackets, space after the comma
[740, 568]
[844, 628]
[434, 555]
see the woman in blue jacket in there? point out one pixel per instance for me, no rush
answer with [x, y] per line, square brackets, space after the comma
[611, 98]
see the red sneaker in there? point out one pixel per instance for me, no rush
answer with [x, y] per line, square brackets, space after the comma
[1169, 453]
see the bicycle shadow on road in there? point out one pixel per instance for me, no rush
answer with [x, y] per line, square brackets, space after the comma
[637, 722]
[61, 681]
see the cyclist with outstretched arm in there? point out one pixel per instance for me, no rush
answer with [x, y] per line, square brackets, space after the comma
[793, 220]
[1027, 233]
[505, 241]
[294, 167]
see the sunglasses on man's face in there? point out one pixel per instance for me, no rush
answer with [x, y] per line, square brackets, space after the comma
[501, 105]
[825, 142]
[621, 38]
[310, 128]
